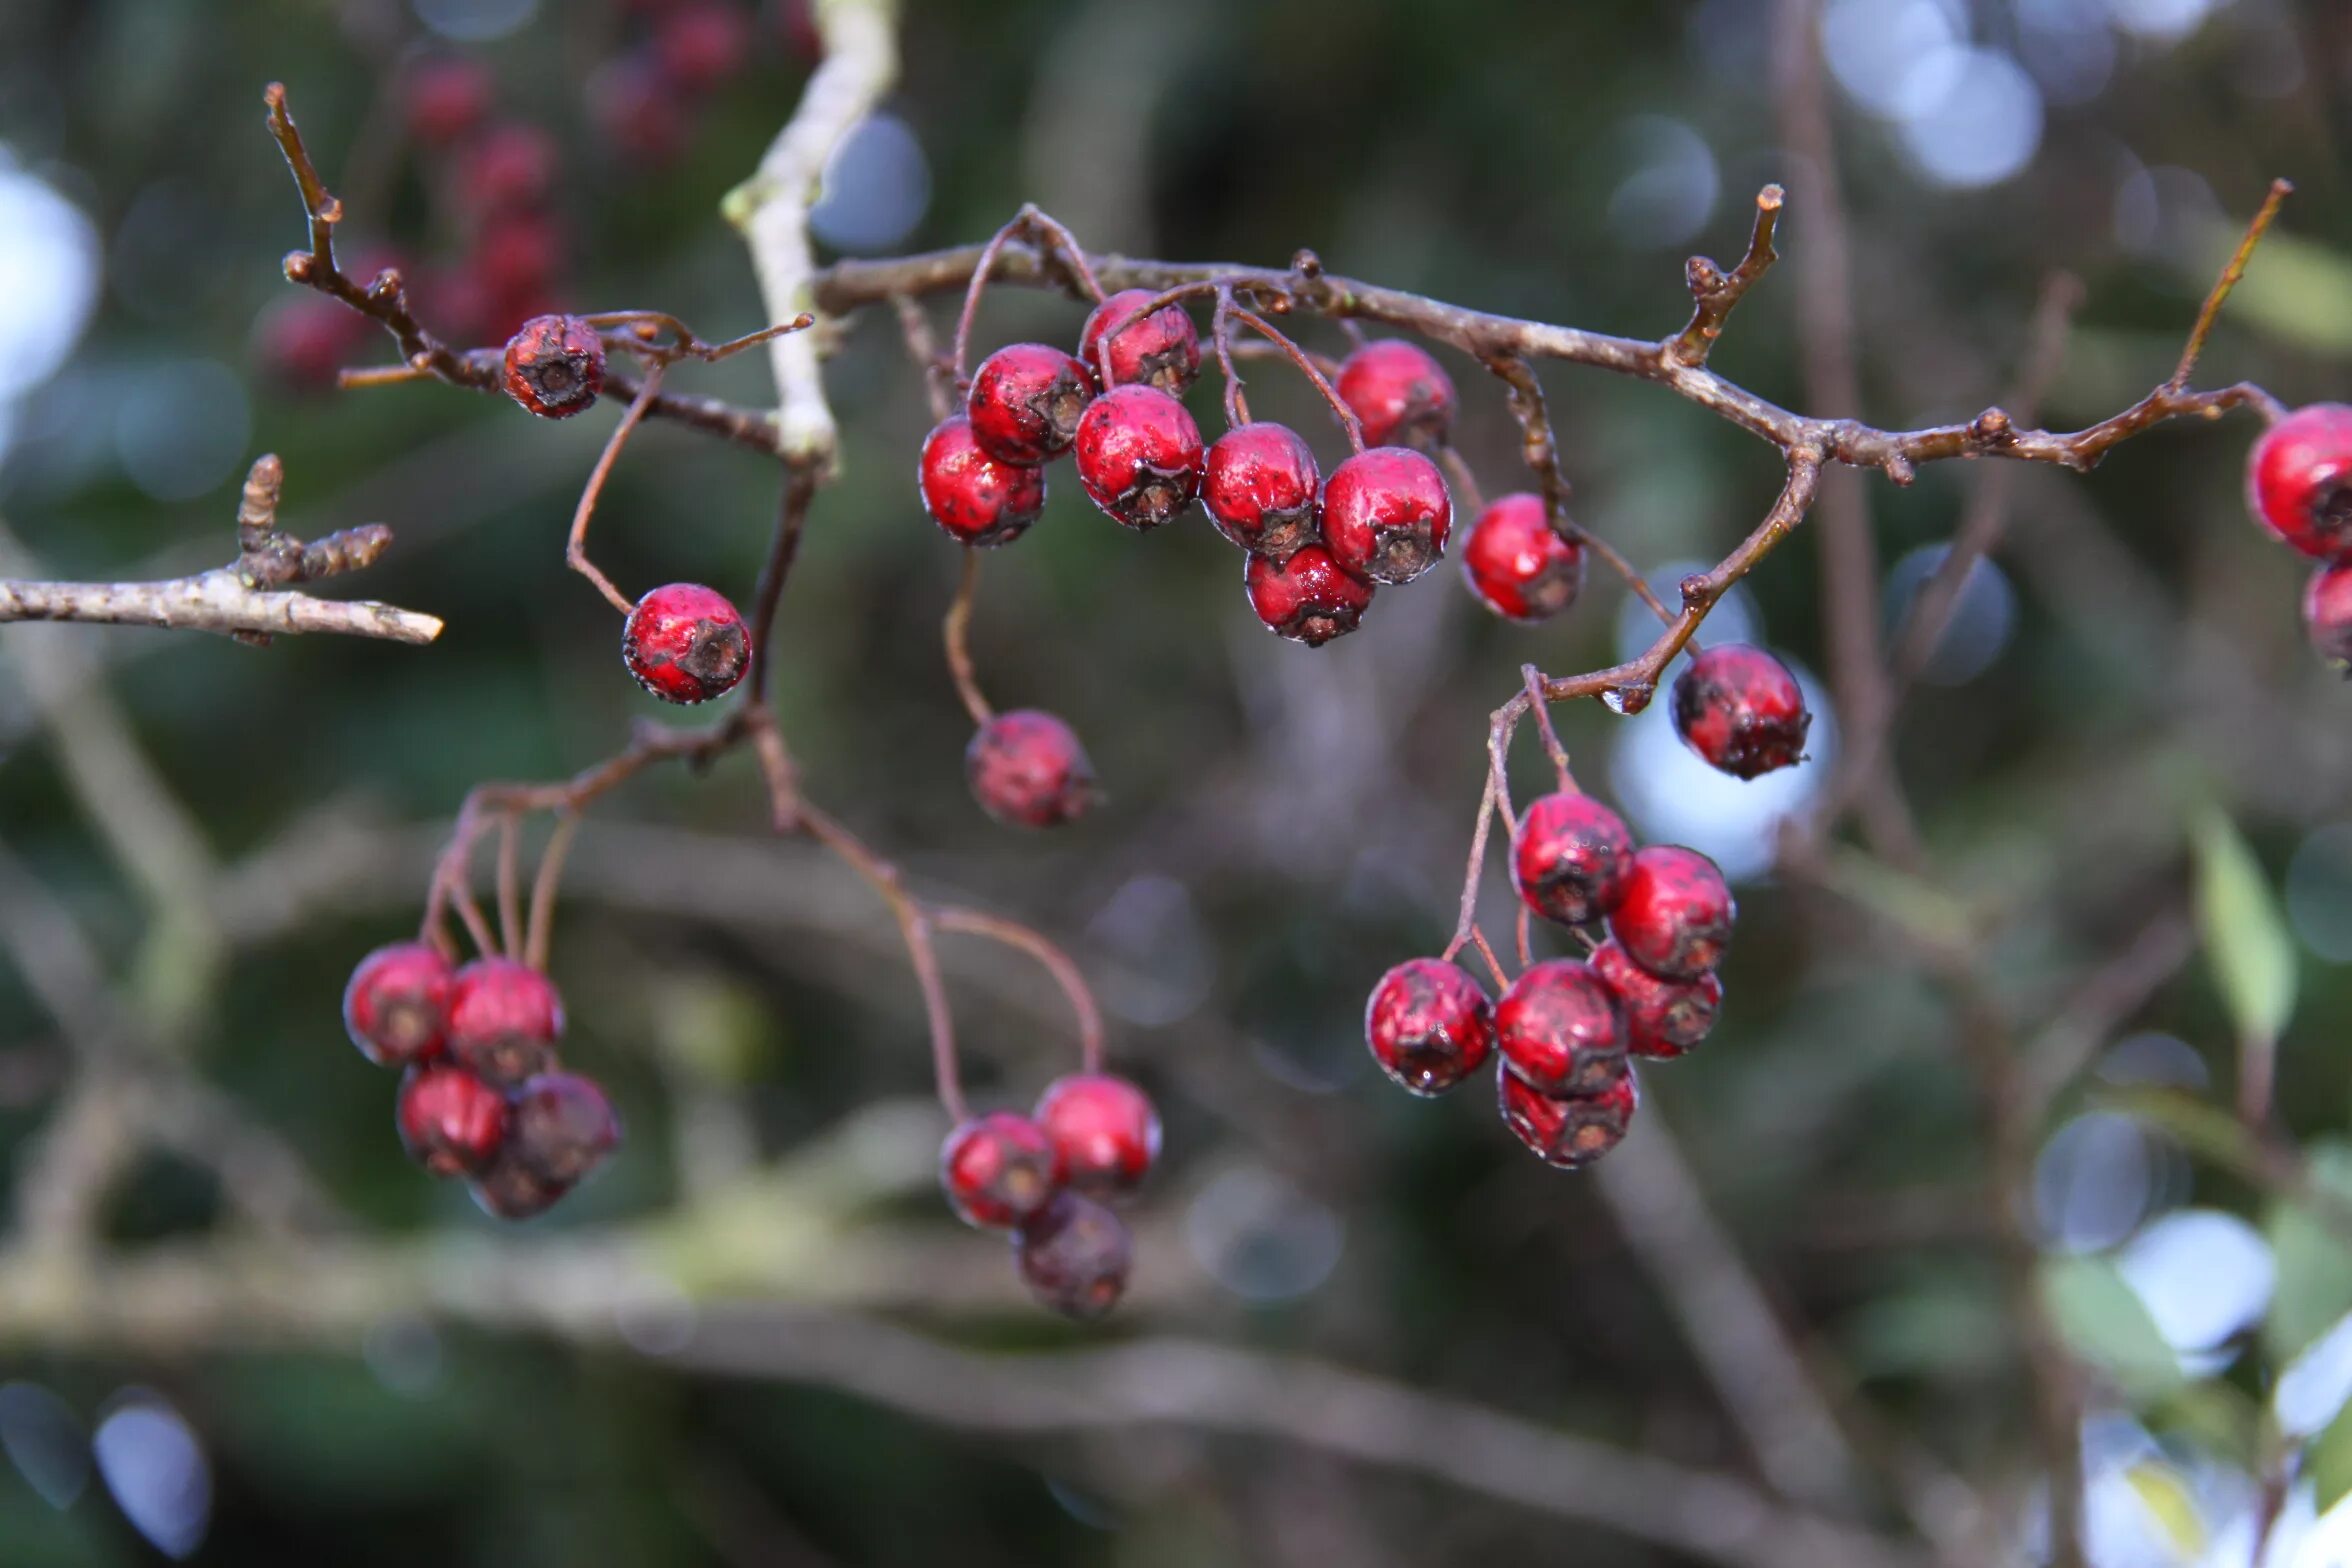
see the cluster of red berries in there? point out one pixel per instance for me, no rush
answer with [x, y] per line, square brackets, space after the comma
[647, 100]
[1567, 1028]
[2299, 484]
[482, 1094]
[1046, 1178]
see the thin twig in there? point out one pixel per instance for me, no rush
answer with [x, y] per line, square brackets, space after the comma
[576, 542]
[955, 632]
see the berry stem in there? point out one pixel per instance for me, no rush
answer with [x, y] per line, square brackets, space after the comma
[1526, 948]
[1494, 965]
[1533, 678]
[939, 377]
[2210, 311]
[1058, 964]
[1059, 241]
[955, 631]
[510, 902]
[684, 344]
[576, 545]
[792, 509]
[1470, 498]
[1221, 337]
[1466, 923]
[1306, 364]
[540, 933]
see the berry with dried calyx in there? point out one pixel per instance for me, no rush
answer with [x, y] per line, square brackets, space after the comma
[1558, 1028]
[450, 1121]
[1308, 598]
[1517, 563]
[1258, 485]
[1569, 857]
[2299, 479]
[508, 1190]
[560, 1127]
[1429, 1024]
[1027, 768]
[1740, 709]
[1025, 403]
[2327, 613]
[1139, 456]
[554, 366]
[1386, 513]
[504, 1020]
[1399, 394]
[396, 1006]
[686, 643]
[1075, 1256]
[1569, 1131]
[1663, 1018]
[1676, 914]
[975, 498]
[999, 1169]
[1105, 1128]
[1160, 350]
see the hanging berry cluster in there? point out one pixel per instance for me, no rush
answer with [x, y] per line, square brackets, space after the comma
[2299, 486]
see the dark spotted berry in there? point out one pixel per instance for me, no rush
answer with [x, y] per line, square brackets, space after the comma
[1307, 598]
[508, 1190]
[560, 1127]
[1074, 1255]
[1558, 1028]
[1663, 1018]
[1570, 1131]
[555, 366]
[1105, 1129]
[1429, 1024]
[999, 1169]
[1741, 709]
[686, 643]
[1676, 915]
[975, 498]
[1025, 403]
[1386, 513]
[1139, 456]
[1160, 350]
[2299, 479]
[1569, 857]
[1517, 564]
[1258, 486]
[450, 1120]
[1027, 768]
[504, 1020]
[396, 1007]
[2327, 613]
[1401, 395]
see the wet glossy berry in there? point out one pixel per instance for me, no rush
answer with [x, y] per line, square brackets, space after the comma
[1105, 1128]
[702, 43]
[2327, 613]
[1386, 513]
[560, 1127]
[1074, 1255]
[1161, 350]
[1429, 1024]
[1401, 395]
[1675, 917]
[445, 98]
[1139, 455]
[1517, 565]
[1569, 857]
[975, 498]
[504, 1020]
[999, 1169]
[1573, 1131]
[685, 643]
[2299, 479]
[1663, 1018]
[396, 1006]
[554, 366]
[506, 168]
[507, 1190]
[1027, 768]
[450, 1120]
[1258, 486]
[1307, 598]
[1740, 709]
[1558, 1028]
[1025, 403]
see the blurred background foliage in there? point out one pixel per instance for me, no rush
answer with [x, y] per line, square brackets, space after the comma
[1282, 825]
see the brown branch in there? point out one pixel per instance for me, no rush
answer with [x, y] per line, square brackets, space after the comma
[1714, 292]
[956, 633]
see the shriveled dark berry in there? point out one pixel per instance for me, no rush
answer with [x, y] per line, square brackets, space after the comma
[999, 1169]
[1429, 1024]
[1740, 709]
[1676, 915]
[1663, 1018]
[507, 1190]
[1573, 1131]
[1027, 768]
[1558, 1028]
[1569, 857]
[554, 366]
[561, 1127]
[1308, 598]
[1075, 1256]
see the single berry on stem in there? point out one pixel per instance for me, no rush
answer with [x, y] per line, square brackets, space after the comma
[1160, 350]
[2299, 479]
[1074, 1255]
[1663, 1018]
[504, 1020]
[1258, 486]
[396, 1006]
[1429, 1024]
[686, 643]
[561, 1127]
[1573, 1131]
[1740, 709]
[1517, 564]
[1569, 857]
[1308, 598]
[1139, 455]
[2327, 613]
[1558, 1028]
[1386, 513]
[1027, 768]
[555, 366]
[1676, 915]
[975, 498]
[451, 1122]
[1402, 396]
[999, 1169]
[508, 1190]
[1105, 1128]
[1025, 403]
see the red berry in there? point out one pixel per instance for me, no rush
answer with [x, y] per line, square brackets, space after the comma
[1663, 1018]
[1399, 393]
[1074, 1255]
[507, 1190]
[2327, 612]
[1105, 1128]
[639, 113]
[446, 98]
[1385, 514]
[1429, 1024]
[504, 1020]
[701, 45]
[1516, 563]
[1025, 403]
[1027, 768]
[450, 1120]
[1569, 856]
[1161, 350]
[685, 643]
[2299, 479]
[1258, 485]
[555, 366]
[561, 1127]
[1558, 1029]
[509, 167]
[1675, 918]
[1307, 598]
[396, 1007]
[1741, 709]
[517, 260]
[1570, 1131]
[1139, 455]
[978, 500]
[999, 1169]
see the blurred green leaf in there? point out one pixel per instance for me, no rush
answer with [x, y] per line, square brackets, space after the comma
[2245, 937]
[2109, 1326]
[2328, 1462]
[2219, 1418]
[2314, 1265]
